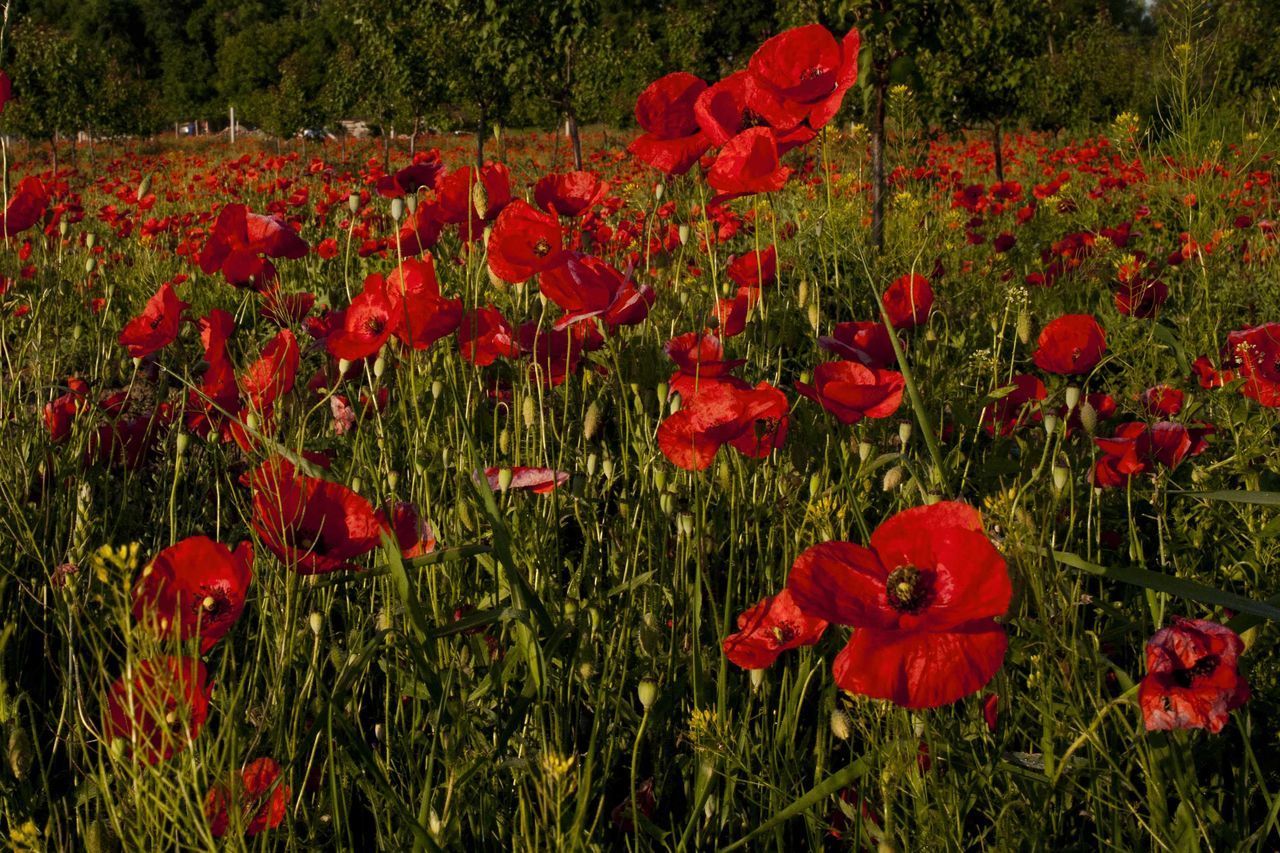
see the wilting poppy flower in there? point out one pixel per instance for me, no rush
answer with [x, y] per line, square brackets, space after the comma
[752, 420]
[769, 628]
[161, 708]
[367, 322]
[570, 193]
[524, 242]
[1257, 352]
[801, 75]
[908, 301]
[861, 341]
[922, 601]
[260, 795]
[754, 269]
[725, 110]
[672, 140]
[242, 241]
[1070, 345]
[197, 586]
[484, 336]
[748, 164]
[1192, 679]
[1016, 407]
[853, 391]
[311, 525]
[540, 481]
[26, 207]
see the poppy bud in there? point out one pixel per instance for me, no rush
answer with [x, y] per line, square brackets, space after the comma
[647, 690]
[658, 190]
[864, 450]
[393, 479]
[480, 200]
[252, 421]
[183, 441]
[586, 670]
[802, 292]
[1050, 425]
[674, 403]
[379, 366]
[504, 479]
[1059, 478]
[90, 264]
[504, 441]
[813, 315]
[1024, 326]
[97, 838]
[316, 622]
[684, 234]
[815, 485]
[723, 475]
[1088, 417]
[1072, 397]
[684, 524]
[659, 479]
[528, 412]
[666, 504]
[343, 365]
[144, 187]
[62, 227]
[591, 421]
[356, 484]
[892, 478]
[90, 240]
[904, 433]
[841, 724]
[661, 392]
[437, 388]
[757, 678]
[411, 203]
[606, 468]
[353, 202]
[397, 209]
[20, 752]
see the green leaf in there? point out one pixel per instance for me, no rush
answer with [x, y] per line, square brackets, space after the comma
[1236, 497]
[832, 784]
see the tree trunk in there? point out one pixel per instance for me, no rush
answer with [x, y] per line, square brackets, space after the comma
[386, 149]
[480, 141]
[53, 150]
[576, 138]
[997, 144]
[500, 137]
[413, 140]
[878, 190]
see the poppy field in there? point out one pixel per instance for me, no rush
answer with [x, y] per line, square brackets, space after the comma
[354, 497]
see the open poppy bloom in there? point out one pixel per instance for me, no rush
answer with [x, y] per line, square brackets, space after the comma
[853, 391]
[700, 359]
[484, 336]
[1192, 679]
[754, 269]
[26, 207]
[423, 172]
[922, 601]
[62, 410]
[1257, 352]
[420, 315]
[540, 481]
[748, 164]
[801, 76]
[196, 587]
[524, 242]
[672, 140]
[585, 287]
[160, 709]
[1136, 448]
[752, 420]
[725, 109]
[1070, 345]
[769, 628]
[260, 795]
[865, 342]
[367, 323]
[1017, 406]
[471, 198]
[241, 243]
[311, 525]
[569, 193]
[908, 301]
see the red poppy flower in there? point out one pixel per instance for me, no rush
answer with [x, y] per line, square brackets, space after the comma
[274, 372]
[1162, 401]
[160, 709]
[672, 141]
[584, 287]
[922, 601]
[752, 420]
[406, 181]
[59, 413]
[731, 314]
[754, 269]
[853, 391]
[725, 110]
[197, 586]
[470, 198]
[748, 164]
[700, 359]
[1192, 679]
[286, 309]
[311, 525]
[540, 481]
[420, 315]
[1135, 448]
[524, 242]
[259, 793]
[241, 242]
[1016, 407]
[421, 231]
[1070, 345]
[570, 193]
[865, 342]
[367, 323]
[556, 353]
[413, 534]
[908, 301]
[801, 75]
[484, 336]
[26, 207]
[770, 628]
[1257, 352]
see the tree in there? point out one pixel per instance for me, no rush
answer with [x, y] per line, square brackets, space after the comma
[52, 84]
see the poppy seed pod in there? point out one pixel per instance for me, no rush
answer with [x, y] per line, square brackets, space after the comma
[591, 421]
[1088, 417]
[397, 209]
[1024, 326]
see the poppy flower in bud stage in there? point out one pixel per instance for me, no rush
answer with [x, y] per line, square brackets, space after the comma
[908, 301]
[700, 359]
[1256, 351]
[27, 206]
[801, 76]
[1070, 345]
[540, 481]
[1135, 448]
[754, 269]
[922, 601]
[748, 164]
[672, 140]
[258, 793]
[862, 341]
[196, 587]
[1193, 680]
[311, 525]
[569, 193]
[524, 242]
[160, 708]
[752, 420]
[241, 243]
[853, 391]
[1016, 407]
[769, 628]
[724, 110]
[420, 315]
[484, 336]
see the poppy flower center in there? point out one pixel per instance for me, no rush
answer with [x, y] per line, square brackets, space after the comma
[813, 73]
[542, 248]
[1205, 666]
[906, 589]
[375, 326]
[783, 633]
